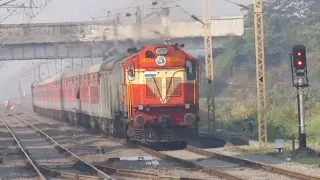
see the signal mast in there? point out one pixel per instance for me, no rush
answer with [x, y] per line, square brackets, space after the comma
[299, 73]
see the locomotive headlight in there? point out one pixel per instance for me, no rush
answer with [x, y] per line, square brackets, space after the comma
[189, 118]
[187, 106]
[140, 119]
[140, 107]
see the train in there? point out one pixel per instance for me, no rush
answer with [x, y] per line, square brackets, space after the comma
[148, 95]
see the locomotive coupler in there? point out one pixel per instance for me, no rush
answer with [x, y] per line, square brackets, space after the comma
[164, 120]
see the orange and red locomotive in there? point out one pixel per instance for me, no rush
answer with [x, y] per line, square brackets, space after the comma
[149, 95]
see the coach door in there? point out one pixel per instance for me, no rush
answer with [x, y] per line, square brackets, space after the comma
[76, 85]
[121, 91]
[102, 99]
[104, 96]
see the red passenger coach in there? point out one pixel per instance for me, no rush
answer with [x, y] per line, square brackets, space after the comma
[148, 95]
[46, 96]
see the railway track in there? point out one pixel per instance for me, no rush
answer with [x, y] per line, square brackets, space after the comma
[223, 166]
[227, 167]
[115, 173]
[209, 162]
[252, 164]
[29, 143]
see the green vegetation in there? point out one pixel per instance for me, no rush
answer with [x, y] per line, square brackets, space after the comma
[287, 22]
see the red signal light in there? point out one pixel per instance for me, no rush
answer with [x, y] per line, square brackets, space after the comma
[299, 63]
[299, 54]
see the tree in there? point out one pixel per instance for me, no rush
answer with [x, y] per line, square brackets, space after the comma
[285, 21]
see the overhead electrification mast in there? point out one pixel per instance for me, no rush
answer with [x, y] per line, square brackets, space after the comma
[260, 70]
[165, 22]
[209, 65]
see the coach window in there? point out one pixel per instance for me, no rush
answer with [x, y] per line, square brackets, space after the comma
[191, 70]
[131, 71]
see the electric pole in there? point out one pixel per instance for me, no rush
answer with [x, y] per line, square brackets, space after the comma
[61, 66]
[138, 25]
[39, 72]
[260, 71]
[48, 69]
[55, 66]
[209, 66]
[72, 62]
[35, 73]
[92, 52]
[81, 57]
[165, 23]
[116, 23]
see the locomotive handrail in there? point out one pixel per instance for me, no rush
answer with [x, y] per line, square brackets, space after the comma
[196, 95]
[194, 92]
[129, 97]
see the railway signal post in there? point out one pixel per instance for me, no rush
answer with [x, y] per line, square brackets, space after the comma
[300, 81]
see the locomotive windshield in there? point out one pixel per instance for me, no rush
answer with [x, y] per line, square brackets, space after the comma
[191, 70]
[131, 71]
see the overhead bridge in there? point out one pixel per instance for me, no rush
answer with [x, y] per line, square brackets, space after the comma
[95, 39]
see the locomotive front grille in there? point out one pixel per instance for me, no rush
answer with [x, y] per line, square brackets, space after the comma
[168, 134]
[155, 87]
[173, 86]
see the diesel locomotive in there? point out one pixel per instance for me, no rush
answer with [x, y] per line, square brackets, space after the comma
[148, 95]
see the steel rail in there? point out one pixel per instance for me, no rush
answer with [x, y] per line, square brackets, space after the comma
[209, 170]
[184, 162]
[187, 163]
[249, 163]
[66, 175]
[139, 174]
[95, 170]
[29, 160]
[121, 172]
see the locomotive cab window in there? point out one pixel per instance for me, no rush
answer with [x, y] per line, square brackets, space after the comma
[131, 71]
[191, 70]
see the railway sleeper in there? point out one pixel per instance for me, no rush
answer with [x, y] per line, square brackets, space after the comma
[83, 166]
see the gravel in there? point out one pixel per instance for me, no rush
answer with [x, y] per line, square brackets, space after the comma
[39, 149]
[85, 144]
[13, 166]
[253, 174]
[291, 166]
[231, 168]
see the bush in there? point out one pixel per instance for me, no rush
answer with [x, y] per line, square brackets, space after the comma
[232, 109]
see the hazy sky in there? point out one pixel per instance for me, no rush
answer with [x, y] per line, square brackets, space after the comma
[81, 10]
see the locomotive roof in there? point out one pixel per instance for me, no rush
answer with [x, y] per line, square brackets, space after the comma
[49, 80]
